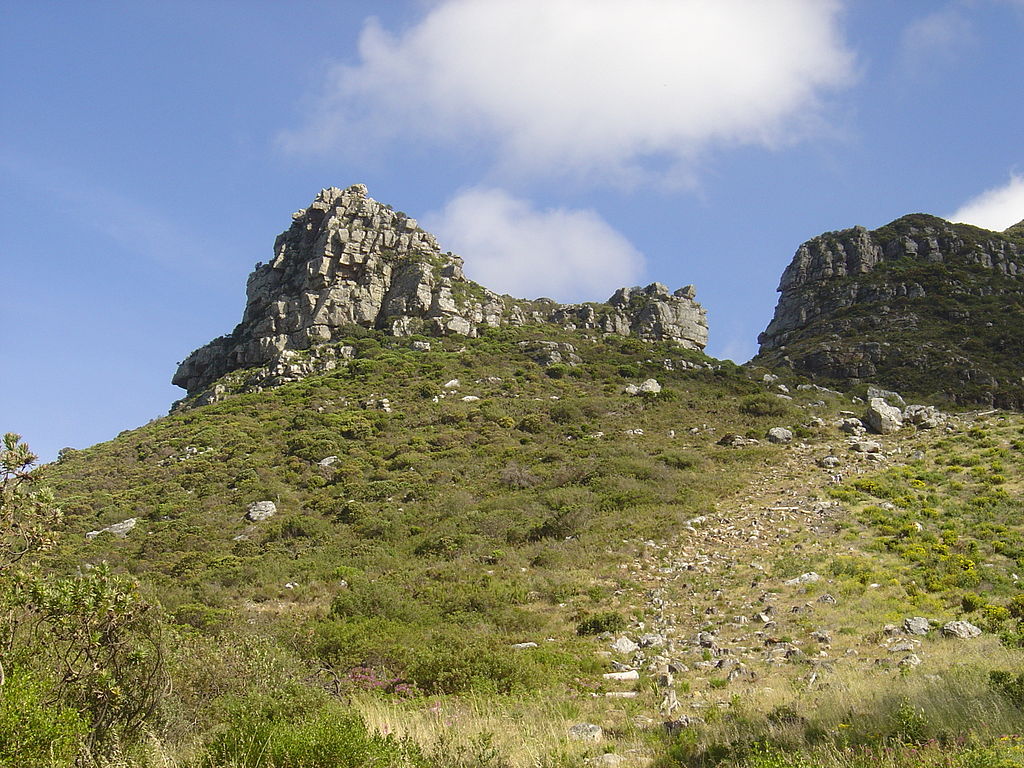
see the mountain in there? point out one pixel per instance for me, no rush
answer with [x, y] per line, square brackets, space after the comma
[920, 305]
[348, 260]
[389, 528]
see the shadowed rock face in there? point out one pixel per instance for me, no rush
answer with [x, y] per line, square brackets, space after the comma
[920, 304]
[349, 260]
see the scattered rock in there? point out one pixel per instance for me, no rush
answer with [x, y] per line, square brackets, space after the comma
[852, 426]
[960, 629]
[652, 641]
[327, 461]
[882, 417]
[916, 625]
[779, 435]
[625, 646]
[910, 661]
[260, 510]
[893, 398]
[470, 399]
[421, 346]
[737, 441]
[453, 384]
[651, 386]
[829, 462]
[865, 446]
[523, 646]
[631, 674]
[924, 416]
[804, 578]
[827, 599]
[586, 732]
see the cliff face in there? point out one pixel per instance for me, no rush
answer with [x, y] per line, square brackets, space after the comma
[349, 260]
[922, 304]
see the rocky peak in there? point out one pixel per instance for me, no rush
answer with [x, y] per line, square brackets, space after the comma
[903, 302]
[349, 260]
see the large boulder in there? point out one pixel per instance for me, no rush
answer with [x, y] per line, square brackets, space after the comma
[882, 417]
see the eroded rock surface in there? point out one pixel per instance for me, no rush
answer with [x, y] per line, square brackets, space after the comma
[349, 260]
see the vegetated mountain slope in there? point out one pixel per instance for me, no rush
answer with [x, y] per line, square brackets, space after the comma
[919, 305]
[558, 510]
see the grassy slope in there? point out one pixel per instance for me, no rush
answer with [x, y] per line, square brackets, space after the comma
[397, 579]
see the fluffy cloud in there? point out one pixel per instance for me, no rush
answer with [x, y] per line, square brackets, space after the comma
[511, 247]
[589, 85]
[995, 209]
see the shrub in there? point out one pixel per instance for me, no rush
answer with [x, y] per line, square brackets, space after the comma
[763, 405]
[35, 733]
[595, 624]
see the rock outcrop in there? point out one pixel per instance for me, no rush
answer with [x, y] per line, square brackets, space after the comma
[349, 260]
[920, 305]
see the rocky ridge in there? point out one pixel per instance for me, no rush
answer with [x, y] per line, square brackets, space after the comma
[349, 260]
[920, 304]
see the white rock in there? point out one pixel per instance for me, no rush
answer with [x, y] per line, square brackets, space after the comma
[624, 646]
[961, 629]
[470, 399]
[779, 435]
[586, 732]
[804, 578]
[260, 510]
[120, 530]
[631, 674]
[453, 384]
[882, 417]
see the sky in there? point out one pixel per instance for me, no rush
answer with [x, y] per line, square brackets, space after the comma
[150, 152]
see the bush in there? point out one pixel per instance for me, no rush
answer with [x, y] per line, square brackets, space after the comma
[595, 624]
[332, 736]
[763, 405]
[35, 733]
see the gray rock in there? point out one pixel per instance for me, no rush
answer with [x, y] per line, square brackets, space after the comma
[652, 640]
[910, 661]
[916, 626]
[523, 646]
[120, 530]
[737, 441]
[882, 417]
[865, 446]
[349, 260]
[963, 630]
[650, 386]
[625, 646]
[827, 599]
[852, 426]
[892, 398]
[260, 510]
[804, 578]
[607, 760]
[586, 732]
[779, 435]
[829, 462]
[924, 416]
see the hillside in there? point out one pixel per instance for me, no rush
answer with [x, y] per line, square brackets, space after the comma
[920, 305]
[409, 523]
[453, 566]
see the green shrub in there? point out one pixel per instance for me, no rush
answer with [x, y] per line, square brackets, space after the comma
[595, 624]
[34, 732]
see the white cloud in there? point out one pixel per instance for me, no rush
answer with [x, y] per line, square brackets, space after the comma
[511, 247]
[589, 86]
[996, 208]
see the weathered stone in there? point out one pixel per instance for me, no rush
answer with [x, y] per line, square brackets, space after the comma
[586, 732]
[804, 578]
[349, 260]
[917, 625]
[120, 530]
[963, 630]
[924, 416]
[650, 386]
[882, 417]
[260, 510]
[625, 646]
[779, 435]
[892, 398]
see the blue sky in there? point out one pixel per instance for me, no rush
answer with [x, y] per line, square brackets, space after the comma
[151, 151]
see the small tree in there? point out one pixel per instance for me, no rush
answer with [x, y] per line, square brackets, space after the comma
[28, 516]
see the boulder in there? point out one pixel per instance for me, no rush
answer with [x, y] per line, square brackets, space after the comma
[924, 416]
[804, 578]
[893, 398]
[779, 435]
[259, 511]
[120, 530]
[586, 732]
[882, 417]
[625, 646]
[963, 630]
[650, 386]
[916, 626]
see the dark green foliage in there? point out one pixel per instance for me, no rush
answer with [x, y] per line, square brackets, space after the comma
[595, 624]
